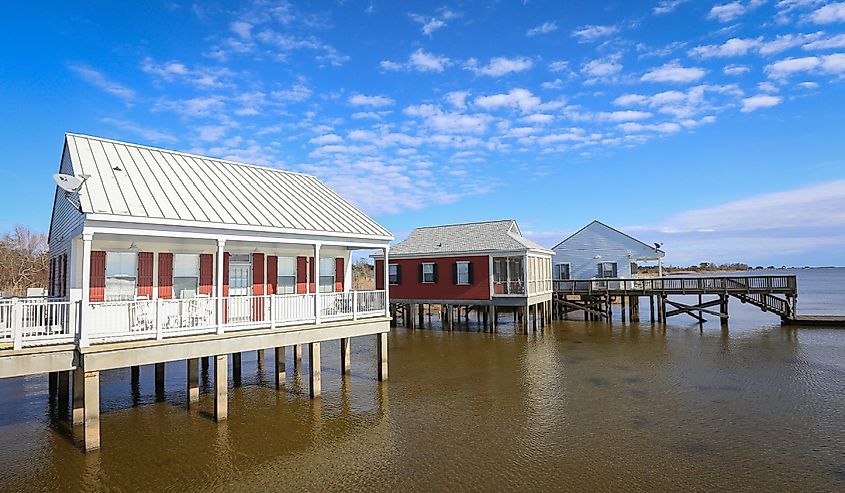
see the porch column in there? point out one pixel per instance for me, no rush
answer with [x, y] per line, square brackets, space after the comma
[78, 414]
[386, 283]
[314, 378]
[345, 354]
[280, 366]
[193, 380]
[381, 342]
[316, 284]
[86, 290]
[221, 385]
[218, 285]
[91, 397]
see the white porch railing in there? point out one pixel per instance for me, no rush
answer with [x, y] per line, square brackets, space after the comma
[26, 322]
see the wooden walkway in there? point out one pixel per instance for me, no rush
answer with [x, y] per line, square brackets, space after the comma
[775, 294]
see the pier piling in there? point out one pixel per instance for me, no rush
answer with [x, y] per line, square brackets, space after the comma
[193, 380]
[280, 366]
[221, 387]
[314, 378]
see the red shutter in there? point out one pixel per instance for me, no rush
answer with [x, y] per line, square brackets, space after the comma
[338, 274]
[301, 280]
[311, 279]
[165, 276]
[257, 274]
[225, 273]
[145, 274]
[272, 274]
[379, 271]
[206, 274]
[97, 289]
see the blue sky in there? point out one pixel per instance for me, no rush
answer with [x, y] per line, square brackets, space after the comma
[713, 127]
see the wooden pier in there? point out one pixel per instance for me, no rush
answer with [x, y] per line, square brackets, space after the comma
[595, 297]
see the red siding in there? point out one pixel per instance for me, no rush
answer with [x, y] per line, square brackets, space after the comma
[272, 274]
[97, 289]
[338, 274]
[444, 289]
[165, 276]
[207, 274]
[145, 274]
[301, 280]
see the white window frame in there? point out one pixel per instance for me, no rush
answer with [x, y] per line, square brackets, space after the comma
[465, 265]
[603, 270]
[393, 274]
[431, 265]
[321, 276]
[125, 277]
[568, 271]
[281, 274]
[196, 285]
[240, 260]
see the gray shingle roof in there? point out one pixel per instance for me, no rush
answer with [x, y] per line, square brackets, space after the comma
[489, 236]
[130, 180]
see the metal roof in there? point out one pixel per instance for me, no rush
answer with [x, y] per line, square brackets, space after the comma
[489, 236]
[130, 180]
[658, 252]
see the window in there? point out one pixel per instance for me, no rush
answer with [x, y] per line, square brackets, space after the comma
[462, 272]
[327, 275]
[393, 274]
[186, 275]
[240, 274]
[428, 273]
[287, 275]
[607, 269]
[562, 271]
[121, 275]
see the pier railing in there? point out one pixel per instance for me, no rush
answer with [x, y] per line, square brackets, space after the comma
[679, 285]
[27, 322]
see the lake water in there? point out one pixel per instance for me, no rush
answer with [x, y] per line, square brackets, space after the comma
[579, 406]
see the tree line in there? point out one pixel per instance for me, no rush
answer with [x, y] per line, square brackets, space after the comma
[24, 261]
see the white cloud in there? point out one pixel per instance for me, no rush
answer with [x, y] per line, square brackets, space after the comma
[760, 101]
[296, 93]
[500, 66]
[521, 99]
[730, 48]
[602, 67]
[373, 101]
[149, 134]
[558, 66]
[326, 139]
[457, 99]
[673, 72]
[544, 28]
[591, 33]
[735, 69]
[432, 25]
[829, 64]
[97, 79]
[727, 12]
[625, 116]
[837, 41]
[428, 62]
[390, 66]
[242, 29]
[661, 128]
[449, 122]
[830, 13]
[667, 6]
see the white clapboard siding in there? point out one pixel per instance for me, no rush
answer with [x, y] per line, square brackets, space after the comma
[600, 240]
[66, 220]
[129, 180]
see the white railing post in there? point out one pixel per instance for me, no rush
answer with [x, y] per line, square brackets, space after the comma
[17, 324]
[386, 282]
[218, 285]
[354, 305]
[86, 289]
[316, 270]
[158, 304]
[272, 312]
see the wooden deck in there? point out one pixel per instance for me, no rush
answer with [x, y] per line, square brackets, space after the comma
[817, 320]
[776, 294]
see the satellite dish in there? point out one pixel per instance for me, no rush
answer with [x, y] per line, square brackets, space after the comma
[68, 183]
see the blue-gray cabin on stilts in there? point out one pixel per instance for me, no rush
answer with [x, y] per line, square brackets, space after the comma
[599, 251]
